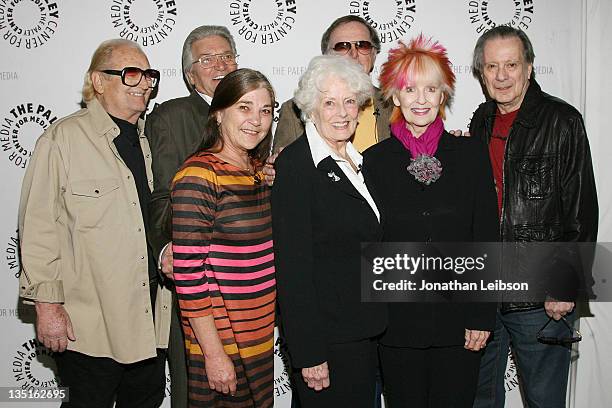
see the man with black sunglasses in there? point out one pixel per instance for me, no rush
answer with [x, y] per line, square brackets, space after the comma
[132, 76]
[175, 130]
[87, 267]
[352, 37]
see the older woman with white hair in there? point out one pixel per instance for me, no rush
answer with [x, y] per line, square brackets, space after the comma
[322, 210]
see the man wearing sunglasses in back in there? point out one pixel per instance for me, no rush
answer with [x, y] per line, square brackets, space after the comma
[352, 37]
[175, 130]
[86, 264]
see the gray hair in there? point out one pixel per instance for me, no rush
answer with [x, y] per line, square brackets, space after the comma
[200, 33]
[349, 18]
[101, 59]
[500, 32]
[324, 67]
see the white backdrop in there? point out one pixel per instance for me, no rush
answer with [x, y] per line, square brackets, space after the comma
[45, 47]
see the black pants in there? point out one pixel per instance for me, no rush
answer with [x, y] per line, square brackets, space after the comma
[440, 377]
[96, 382]
[352, 375]
[177, 360]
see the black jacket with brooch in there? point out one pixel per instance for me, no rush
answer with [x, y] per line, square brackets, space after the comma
[460, 206]
[319, 222]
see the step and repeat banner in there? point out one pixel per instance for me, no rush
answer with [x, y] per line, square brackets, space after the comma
[46, 45]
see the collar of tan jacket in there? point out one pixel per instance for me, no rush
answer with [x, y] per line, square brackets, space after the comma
[102, 122]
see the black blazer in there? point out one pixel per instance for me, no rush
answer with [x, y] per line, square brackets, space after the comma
[175, 130]
[318, 227]
[460, 206]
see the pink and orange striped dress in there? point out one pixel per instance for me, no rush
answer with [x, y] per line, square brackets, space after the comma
[224, 266]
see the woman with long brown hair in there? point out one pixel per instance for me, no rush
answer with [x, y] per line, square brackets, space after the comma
[223, 255]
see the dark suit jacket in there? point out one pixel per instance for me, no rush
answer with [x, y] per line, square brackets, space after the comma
[175, 130]
[318, 225]
[290, 126]
[460, 207]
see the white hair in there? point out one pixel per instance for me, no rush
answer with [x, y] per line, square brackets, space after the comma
[323, 67]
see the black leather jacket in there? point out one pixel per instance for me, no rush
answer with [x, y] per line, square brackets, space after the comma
[549, 189]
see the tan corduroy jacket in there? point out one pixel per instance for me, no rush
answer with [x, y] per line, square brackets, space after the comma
[83, 239]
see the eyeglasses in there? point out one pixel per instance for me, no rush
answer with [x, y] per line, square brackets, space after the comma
[209, 61]
[343, 47]
[131, 76]
[574, 335]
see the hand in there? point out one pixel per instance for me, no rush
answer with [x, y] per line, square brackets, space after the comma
[459, 132]
[166, 262]
[476, 340]
[268, 170]
[316, 377]
[53, 326]
[556, 309]
[221, 374]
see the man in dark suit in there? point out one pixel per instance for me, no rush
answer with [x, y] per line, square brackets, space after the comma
[352, 37]
[175, 130]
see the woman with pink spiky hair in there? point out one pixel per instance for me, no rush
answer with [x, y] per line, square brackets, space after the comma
[433, 187]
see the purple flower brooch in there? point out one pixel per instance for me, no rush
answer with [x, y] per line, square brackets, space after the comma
[425, 169]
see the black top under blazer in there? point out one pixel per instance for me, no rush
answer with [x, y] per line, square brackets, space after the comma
[318, 227]
[461, 206]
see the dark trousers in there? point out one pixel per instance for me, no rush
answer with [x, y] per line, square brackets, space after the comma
[352, 375]
[177, 360]
[96, 382]
[440, 377]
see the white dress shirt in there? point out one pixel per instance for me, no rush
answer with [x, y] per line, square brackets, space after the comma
[320, 150]
[207, 98]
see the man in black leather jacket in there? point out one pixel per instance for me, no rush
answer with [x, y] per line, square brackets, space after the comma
[546, 192]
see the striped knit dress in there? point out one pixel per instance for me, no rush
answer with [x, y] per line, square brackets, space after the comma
[224, 266]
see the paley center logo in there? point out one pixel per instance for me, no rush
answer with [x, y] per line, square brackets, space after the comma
[511, 377]
[28, 23]
[19, 129]
[32, 366]
[11, 254]
[392, 18]
[262, 22]
[282, 384]
[485, 15]
[146, 22]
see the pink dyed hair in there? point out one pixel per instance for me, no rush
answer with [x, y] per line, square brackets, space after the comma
[416, 58]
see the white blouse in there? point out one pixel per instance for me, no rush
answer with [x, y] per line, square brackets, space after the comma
[321, 150]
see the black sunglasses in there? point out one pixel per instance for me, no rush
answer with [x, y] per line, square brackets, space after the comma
[574, 335]
[343, 47]
[131, 76]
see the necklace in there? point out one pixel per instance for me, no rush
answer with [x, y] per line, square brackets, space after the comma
[250, 167]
